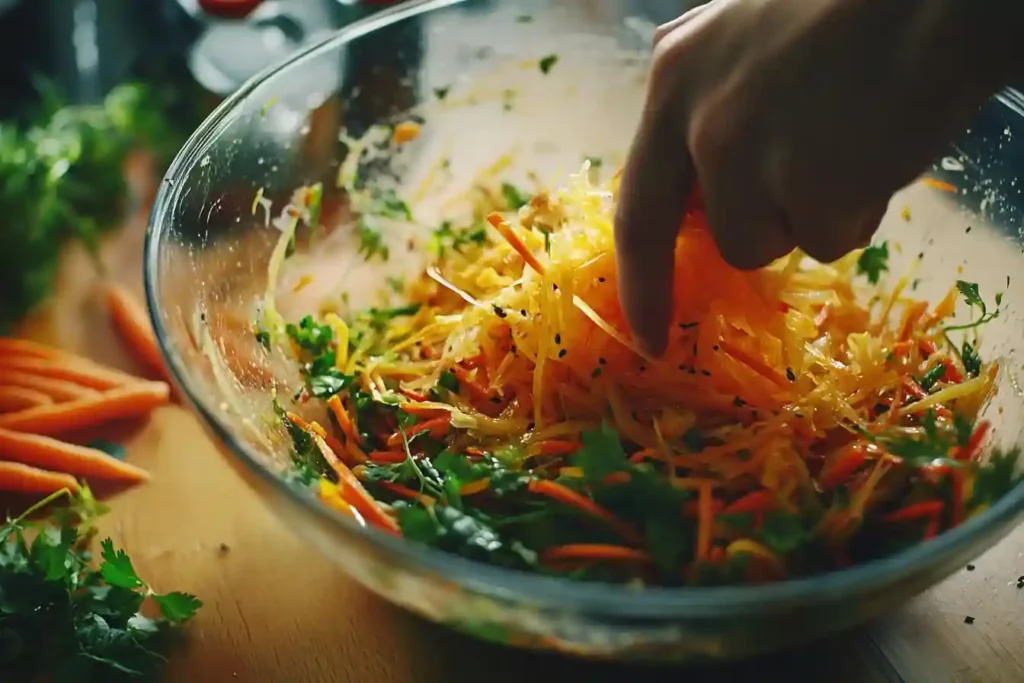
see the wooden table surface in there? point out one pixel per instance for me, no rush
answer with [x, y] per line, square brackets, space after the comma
[276, 611]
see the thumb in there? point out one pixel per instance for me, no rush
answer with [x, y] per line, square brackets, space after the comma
[655, 182]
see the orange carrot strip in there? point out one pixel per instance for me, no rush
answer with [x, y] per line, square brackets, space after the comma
[413, 395]
[19, 398]
[10, 346]
[973, 447]
[476, 390]
[937, 184]
[51, 454]
[390, 457]
[57, 389]
[342, 416]
[79, 371]
[421, 411]
[593, 551]
[16, 477]
[132, 323]
[704, 523]
[844, 467]
[437, 427]
[567, 496]
[125, 402]
[756, 365]
[911, 316]
[557, 447]
[475, 487]
[407, 131]
[915, 511]
[502, 226]
[316, 429]
[353, 492]
[902, 349]
[758, 501]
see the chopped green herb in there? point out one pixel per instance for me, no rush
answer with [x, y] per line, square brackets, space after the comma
[514, 197]
[548, 63]
[450, 529]
[371, 241]
[441, 93]
[595, 162]
[933, 377]
[971, 359]
[64, 619]
[547, 239]
[970, 293]
[874, 261]
[263, 337]
[444, 237]
[449, 381]
[396, 284]
[389, 205]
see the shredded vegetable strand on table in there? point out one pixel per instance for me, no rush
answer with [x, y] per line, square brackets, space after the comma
[801, 420]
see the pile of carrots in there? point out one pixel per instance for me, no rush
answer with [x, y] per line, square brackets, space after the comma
[48, 394]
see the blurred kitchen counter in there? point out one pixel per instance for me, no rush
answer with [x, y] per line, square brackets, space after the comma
[278, 611]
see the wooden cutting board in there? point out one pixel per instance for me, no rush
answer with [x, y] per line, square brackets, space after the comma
[278, 611]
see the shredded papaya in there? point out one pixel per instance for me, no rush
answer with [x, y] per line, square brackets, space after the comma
[501, 409]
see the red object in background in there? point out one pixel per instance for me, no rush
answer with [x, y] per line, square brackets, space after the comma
[229, 9]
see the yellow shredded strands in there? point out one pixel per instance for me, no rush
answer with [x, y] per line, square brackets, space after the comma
[788, 398]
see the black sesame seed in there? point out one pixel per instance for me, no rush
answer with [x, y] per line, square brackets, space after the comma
[495, 399]
[499, 311]
[790, 375]
[601, 279]
[716, 347]
[968, 229]
[562, 353]
[682, 366]
[739, 402]
[921, 255]
[522, 312]
[968, 620]
[558, 339]
[706, 373]
[692, 371]
[602, 361]
[643, 367]
[686, 326]
[554, 286]
[970, 567]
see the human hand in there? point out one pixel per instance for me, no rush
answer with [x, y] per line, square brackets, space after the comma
[798, 120]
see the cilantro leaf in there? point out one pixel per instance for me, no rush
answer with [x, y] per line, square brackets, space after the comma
[178, 607]
[449, 381]
[933, 377]
[329, 383]
[969, 290]
[117, 567]
[514, 197]
[783, 532]
[548, 63]
[971, 359]
[462, 533]
[874, 261]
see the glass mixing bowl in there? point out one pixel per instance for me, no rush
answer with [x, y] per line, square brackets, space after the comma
[470, 71]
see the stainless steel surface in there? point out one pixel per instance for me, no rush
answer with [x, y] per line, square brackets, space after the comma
[206, 265]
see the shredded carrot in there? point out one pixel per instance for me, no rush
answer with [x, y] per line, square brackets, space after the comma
[436, 427]
[388, 456]
[973, 447]
[407, 131]
[44, 452]
[593, 551]
[353, 492]
[915, 511]
[704, 523]
[131, 401]
[844, 467]
[16, 477]
[515, 242]
[758, 501]
[567, 496]
[557, 447]
[941, 185]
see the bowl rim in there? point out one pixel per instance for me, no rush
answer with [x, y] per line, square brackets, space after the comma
[609, 600]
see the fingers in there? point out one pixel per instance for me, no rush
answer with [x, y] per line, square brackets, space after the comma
[827, 237]
[689, 15]
[652, 195]
[749, 230]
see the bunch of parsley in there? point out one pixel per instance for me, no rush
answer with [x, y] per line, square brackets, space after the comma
[62, 177]
[65, 618]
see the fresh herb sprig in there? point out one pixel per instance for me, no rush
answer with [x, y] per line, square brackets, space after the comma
[62, 178]
[874, 261]
[64, 618]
